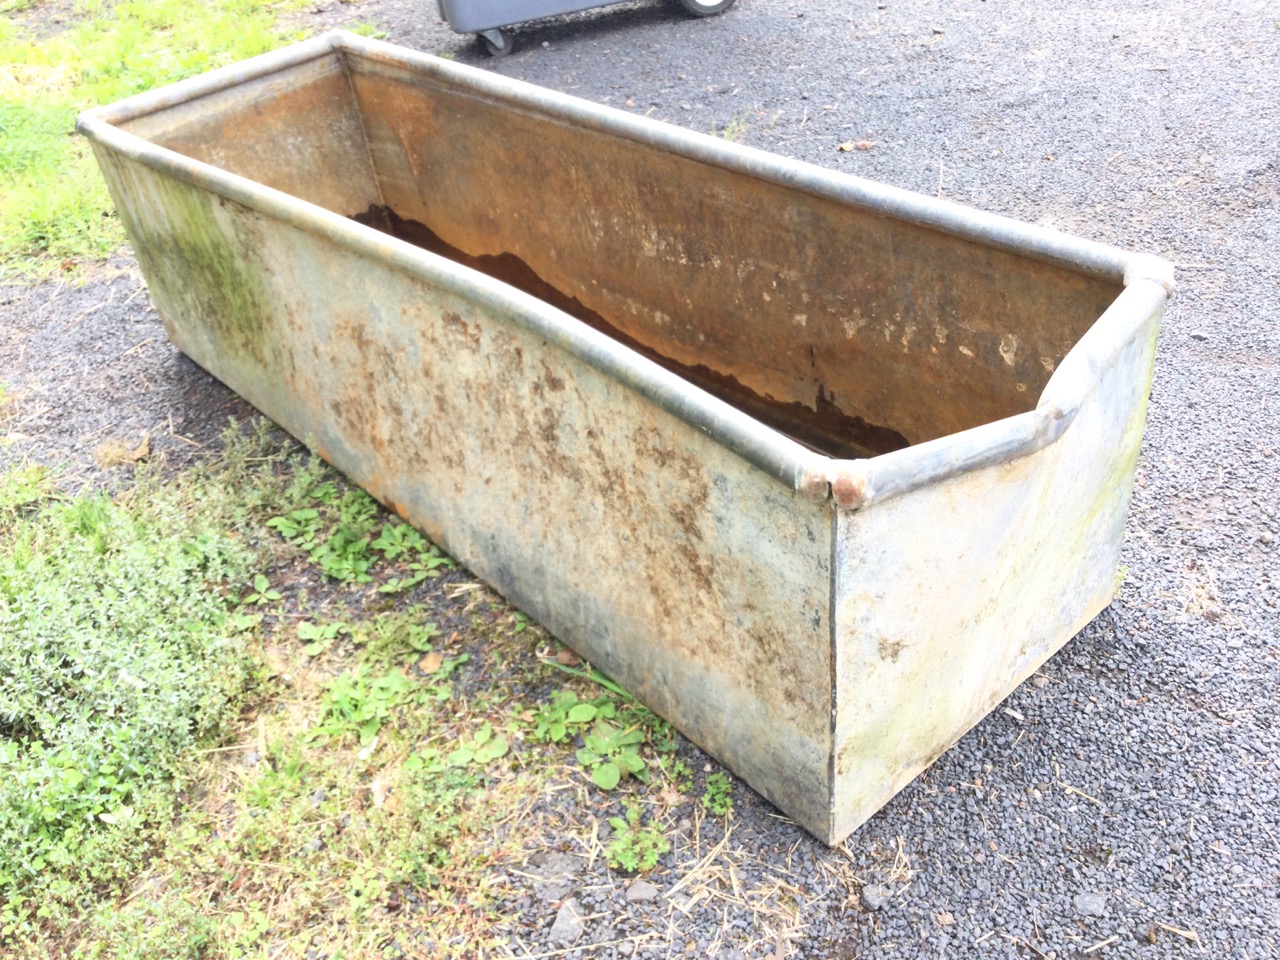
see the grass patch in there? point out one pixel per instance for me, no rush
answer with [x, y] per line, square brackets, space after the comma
[122, 653]
[54, 207]
[222, 735]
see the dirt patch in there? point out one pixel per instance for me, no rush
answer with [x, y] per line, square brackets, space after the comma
[87, 368]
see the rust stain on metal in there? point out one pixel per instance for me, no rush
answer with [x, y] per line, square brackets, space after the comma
[890, 649]
[848, 489]
[817, 318]
[822, 427]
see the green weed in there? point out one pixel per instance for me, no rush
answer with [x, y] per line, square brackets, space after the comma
[176, 929]
[320, 636]
[564, 716]
[615, 730]
[678, 771]
[399, 539]
[733, 130]
[394, 638]
[261, 592]
[635, 847]
[359, 703]
[368, 30]
[717, 794]
[611, 752]
[343, 534]
[22, 487]
[434, 817]
[481, 749]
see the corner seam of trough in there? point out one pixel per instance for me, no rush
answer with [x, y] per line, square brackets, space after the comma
[845, 482]
[343, 56]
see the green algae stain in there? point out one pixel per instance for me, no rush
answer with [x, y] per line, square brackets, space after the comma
[203, 256]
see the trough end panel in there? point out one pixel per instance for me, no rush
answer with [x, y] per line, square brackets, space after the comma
[202, 270]
[298, 130]
[952, 594]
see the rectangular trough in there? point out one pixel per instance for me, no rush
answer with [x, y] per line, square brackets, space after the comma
[819, 469]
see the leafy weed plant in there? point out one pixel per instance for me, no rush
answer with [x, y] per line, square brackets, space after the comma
[341, 530]
[564, 716]
[636, 847]
[481, 749]
[611, 752]
[359, 703]
[616, 732]
[717, 794]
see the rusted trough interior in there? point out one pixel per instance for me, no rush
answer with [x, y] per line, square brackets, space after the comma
[852, 332]
[916, 492]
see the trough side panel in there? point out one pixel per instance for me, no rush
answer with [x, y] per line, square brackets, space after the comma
[860, 333]
[694, 579]
[298, 131]
[948, 597]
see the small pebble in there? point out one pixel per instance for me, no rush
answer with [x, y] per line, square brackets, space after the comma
[874, 896]
[568, 926]
[1091, 904]
[641, 890]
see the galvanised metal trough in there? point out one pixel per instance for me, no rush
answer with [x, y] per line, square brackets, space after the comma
[819, 469]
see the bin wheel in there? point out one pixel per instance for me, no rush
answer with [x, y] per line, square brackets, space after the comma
[705, 8]
[499, 42]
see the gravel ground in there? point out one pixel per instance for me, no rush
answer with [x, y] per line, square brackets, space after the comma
[1127, 796]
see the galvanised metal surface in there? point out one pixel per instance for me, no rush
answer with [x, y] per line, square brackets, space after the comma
[817, 468]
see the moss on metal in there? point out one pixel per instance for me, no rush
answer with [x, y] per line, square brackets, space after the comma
[202, 257]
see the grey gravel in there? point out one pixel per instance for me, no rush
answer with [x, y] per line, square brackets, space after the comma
[555, 875]
[1145, 767]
